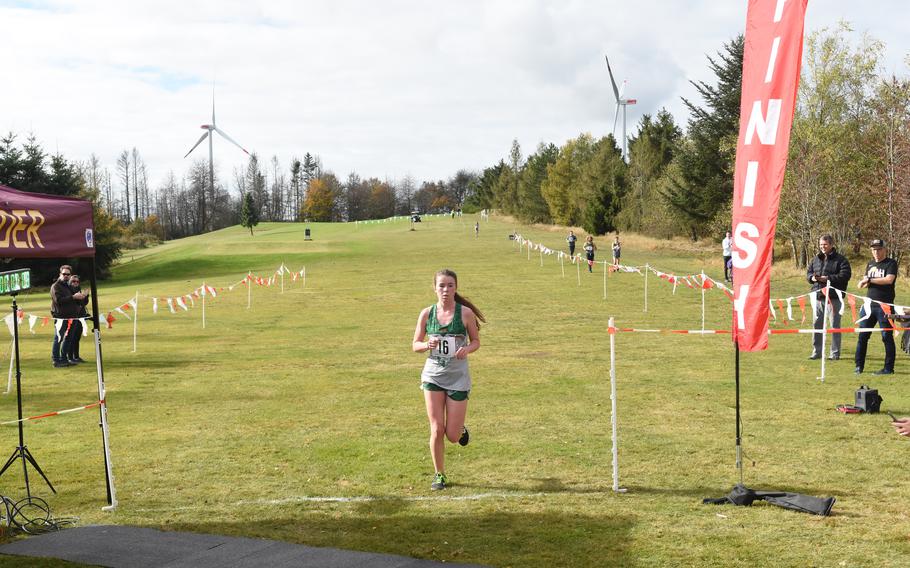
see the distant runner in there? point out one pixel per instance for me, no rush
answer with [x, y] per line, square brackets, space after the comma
[590, 249]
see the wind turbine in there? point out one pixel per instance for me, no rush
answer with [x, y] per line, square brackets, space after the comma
[209, 130]
[620, 102]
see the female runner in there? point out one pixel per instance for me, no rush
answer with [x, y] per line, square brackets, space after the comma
[449, 331]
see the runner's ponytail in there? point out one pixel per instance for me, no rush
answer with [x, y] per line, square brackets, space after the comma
[459, 298]
[465, 302]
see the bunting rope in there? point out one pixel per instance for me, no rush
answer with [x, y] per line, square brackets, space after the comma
[770, 331]
[55, 413]
[184, 301]
[702, 281]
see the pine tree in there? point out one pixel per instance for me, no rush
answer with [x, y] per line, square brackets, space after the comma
[707, 158]
[249, 215]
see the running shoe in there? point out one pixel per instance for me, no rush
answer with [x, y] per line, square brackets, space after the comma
[439, 482]
[465, 436]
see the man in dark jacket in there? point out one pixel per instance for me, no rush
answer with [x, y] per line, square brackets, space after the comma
[64, 304]
[827, 267]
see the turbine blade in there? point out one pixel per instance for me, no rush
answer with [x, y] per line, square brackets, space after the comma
[612, 80]
[231, 140]
[622, 90]
[198, 142]
[615, 118]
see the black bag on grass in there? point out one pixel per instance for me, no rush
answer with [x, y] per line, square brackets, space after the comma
[744, 497]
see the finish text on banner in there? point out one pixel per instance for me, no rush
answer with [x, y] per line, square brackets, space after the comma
[771, 62]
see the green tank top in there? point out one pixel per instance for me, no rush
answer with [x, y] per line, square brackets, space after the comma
[455, 327]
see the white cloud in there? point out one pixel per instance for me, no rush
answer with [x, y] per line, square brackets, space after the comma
[383, 88]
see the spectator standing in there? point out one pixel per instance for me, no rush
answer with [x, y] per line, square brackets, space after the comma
[827, 267]
[64, 305]
[72, 352]
[878, 281]
[727, 250]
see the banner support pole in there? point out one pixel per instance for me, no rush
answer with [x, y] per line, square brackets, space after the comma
[739, 447]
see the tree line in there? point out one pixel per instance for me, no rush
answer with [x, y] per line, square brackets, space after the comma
[848, 172]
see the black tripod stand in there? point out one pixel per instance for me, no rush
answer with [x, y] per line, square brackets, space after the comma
[21, 451]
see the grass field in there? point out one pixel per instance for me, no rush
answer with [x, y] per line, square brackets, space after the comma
[301, 419]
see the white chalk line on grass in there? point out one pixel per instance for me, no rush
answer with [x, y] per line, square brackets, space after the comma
[356, 499]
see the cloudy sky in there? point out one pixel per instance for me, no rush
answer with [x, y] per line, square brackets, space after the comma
[385, 88]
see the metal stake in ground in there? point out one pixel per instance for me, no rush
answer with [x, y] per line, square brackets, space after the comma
[21, 451]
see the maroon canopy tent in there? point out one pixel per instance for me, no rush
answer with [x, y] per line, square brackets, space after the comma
[44, 226]
[34, 225]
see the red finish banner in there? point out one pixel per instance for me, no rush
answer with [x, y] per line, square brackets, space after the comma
[771, 63]
[35, 225]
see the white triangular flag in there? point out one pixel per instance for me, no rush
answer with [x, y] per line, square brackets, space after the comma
[154, 305]
[867, 309]
[32, 320]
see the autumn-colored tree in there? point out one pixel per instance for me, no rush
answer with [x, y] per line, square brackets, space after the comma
[320, 201]
[563, 188]
[381, 203]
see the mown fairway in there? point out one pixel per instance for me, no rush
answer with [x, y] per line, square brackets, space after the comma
[241, 428]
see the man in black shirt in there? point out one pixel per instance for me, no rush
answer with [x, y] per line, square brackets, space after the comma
[827, 267]
[881, 272]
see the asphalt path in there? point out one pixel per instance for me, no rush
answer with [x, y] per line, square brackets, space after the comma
[137, 547]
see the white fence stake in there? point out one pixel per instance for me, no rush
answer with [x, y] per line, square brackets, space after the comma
[204, 293]
[615, 438]
[647, 270]
[703, 301]
[824, 327]
[135, 321]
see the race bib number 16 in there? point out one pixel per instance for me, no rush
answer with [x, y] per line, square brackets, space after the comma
[446, 347]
